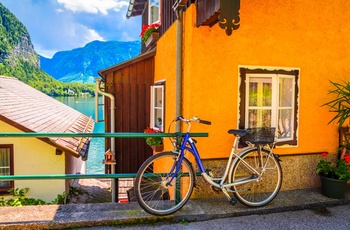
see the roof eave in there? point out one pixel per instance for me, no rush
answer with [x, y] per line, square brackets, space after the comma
[81, 152]
[136, 8]
[141, 57]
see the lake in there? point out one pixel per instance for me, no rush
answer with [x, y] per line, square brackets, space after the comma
[86, 105]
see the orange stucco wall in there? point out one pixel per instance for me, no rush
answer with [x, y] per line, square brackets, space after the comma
[306, 35]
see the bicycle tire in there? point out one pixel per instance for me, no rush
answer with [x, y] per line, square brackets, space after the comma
[265, 189]
[151, 189]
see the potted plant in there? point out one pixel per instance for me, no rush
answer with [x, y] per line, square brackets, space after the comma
[341, 104]
[159, 122]
[341, 107]
[156, 143]
[149, 33]
[334, 176]
[337, 173]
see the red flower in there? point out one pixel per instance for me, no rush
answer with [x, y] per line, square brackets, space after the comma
[153, 141]
[324, 154]
[347, 159]
[150, 130]
[147, 30]
[144, 28]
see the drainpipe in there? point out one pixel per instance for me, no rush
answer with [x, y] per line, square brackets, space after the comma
[110, 96]
[179, 44]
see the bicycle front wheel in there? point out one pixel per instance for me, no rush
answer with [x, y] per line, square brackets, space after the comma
[267, 172]
[158, 190]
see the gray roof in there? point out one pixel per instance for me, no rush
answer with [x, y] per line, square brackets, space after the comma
[33, 111]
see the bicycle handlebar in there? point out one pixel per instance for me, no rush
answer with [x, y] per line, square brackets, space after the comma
[195, 119]
[205, 122]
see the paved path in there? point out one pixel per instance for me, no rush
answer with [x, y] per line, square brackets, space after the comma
[337, 217]
[196, 210]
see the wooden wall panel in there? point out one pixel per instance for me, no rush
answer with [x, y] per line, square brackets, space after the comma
[131, 87]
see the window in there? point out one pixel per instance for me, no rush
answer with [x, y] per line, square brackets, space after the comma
[157, 106]
[153, 11]
[269, 99]
[6, 166]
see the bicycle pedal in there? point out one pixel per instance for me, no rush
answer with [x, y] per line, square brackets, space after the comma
[232, 201]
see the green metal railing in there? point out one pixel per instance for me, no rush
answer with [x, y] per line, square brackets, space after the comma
[105, 135]
[67, 176]
[82, 176]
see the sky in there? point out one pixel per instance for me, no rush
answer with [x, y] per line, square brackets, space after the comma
[58, 25]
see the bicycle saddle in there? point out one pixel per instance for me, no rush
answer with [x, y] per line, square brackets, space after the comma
[238, 132]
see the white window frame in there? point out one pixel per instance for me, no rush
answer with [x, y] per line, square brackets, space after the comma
[274, 107]
[157, 107]
[289, 139]
[153, 5]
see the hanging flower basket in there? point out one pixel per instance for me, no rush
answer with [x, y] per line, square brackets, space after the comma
[156, 143]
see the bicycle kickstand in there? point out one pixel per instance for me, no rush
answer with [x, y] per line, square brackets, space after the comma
[230, 199]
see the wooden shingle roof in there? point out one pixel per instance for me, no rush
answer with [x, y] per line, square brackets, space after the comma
[33, 111]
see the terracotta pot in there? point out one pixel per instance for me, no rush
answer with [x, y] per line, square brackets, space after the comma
[158, 148]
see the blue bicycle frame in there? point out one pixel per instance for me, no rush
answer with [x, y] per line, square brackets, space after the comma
[193, 149]
[186, 139]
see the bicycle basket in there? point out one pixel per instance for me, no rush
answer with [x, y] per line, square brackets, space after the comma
[265, 135]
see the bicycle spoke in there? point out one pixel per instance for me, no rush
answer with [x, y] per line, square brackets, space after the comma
[269, 178]
[157, 191]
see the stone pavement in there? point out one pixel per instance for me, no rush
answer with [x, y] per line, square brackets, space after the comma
[113, 214]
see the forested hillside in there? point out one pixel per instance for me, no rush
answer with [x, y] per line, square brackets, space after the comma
[19, 59]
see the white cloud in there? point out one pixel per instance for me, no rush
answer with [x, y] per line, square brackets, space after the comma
[59, 10]
[48, 53]
[93, 6]
[125, 36]
[58, 25]
[92, 35]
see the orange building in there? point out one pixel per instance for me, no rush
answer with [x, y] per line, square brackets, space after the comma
[274, 69]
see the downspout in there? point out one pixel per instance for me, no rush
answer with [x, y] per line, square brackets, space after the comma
[110, 96]
[179, 44]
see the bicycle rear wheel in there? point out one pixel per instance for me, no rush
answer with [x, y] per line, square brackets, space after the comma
[156, 191]
[269, 178]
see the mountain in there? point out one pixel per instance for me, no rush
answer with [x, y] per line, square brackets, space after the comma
[82, 64]
[15, 43]
[18, 59]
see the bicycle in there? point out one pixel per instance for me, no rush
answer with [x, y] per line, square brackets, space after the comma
[165, 181]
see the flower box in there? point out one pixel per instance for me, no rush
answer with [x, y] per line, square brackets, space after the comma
[152, 39]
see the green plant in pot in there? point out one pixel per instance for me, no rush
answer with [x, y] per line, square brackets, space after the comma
[334, 175]
[338, 169]
[147, 30]
[341, 104]
[156, 143]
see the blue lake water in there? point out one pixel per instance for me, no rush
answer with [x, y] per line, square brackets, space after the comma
[86, 105]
